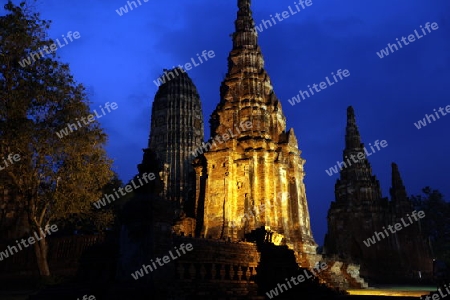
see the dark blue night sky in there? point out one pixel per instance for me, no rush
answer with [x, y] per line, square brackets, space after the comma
[119, 57]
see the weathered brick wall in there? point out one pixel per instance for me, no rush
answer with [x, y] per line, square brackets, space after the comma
[216, 268]
[63, 256]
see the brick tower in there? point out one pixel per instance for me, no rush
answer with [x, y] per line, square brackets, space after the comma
[252, 175]
[176, 129]
[360, 211]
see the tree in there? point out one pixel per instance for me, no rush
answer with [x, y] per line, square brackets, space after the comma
[95, 220]
[436, 223]
[55, 177]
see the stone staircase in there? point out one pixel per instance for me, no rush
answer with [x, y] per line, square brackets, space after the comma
[342, 275]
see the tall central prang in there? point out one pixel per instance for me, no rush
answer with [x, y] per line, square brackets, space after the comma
[254, 176]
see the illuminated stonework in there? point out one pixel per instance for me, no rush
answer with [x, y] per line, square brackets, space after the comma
[256, 167]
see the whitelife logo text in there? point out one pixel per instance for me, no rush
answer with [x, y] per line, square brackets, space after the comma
[91, 118]
[39, 54]
[300, 278]
[244, 125]
[411, 38]
[397, 226]
[165, 260]
[31, 240]
[323, 85]
[128, 188]
[360, 156]
[423, 123]
[124, 9]
[11, 158]
[187, 66]
[284, 15]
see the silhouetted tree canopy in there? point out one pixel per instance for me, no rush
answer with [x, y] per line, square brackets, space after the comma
[56, 177]
[436, 224]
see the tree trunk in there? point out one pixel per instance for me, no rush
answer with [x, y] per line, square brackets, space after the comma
[41, 250]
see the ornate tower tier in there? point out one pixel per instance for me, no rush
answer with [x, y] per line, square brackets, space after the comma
[252, 175]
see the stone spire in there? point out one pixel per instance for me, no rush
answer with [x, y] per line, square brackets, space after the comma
[398, 193]
[356, 179]
[359, 211]
[252, 174]
[352, 137]
[397, 190]
[176, 131]
[357, 190]
[245, 34]
[246, 92]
